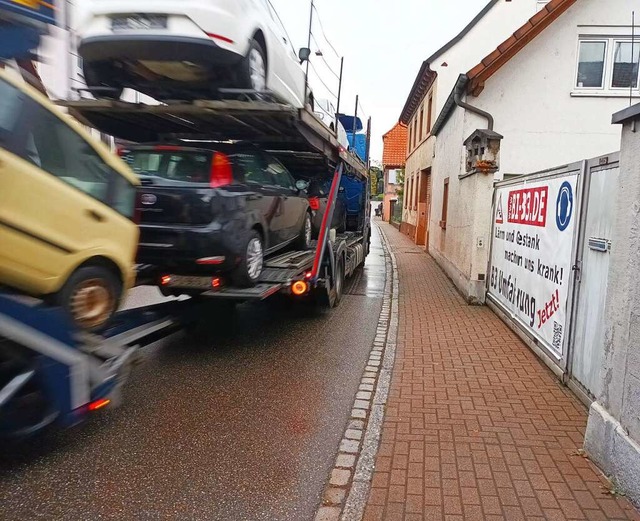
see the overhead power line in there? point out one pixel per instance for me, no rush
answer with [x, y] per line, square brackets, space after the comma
[324, 35]
[324, 59]
[323, 83]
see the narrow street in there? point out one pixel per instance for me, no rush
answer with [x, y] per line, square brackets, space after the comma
[237, 420]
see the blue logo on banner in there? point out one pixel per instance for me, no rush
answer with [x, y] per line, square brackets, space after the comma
[564, 206]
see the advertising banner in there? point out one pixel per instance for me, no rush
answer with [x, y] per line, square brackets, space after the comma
[531, 256]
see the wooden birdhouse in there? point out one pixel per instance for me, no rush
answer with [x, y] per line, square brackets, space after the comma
[483, 152]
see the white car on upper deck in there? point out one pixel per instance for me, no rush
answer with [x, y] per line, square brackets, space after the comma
[187, 49]
[325, 110]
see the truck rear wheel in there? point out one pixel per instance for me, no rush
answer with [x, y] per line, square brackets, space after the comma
[338, 283]
[330, 298]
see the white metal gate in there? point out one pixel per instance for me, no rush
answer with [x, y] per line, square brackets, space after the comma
[586, 197]
[596, 222]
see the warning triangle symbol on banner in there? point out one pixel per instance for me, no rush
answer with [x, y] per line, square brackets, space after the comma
[499, 215]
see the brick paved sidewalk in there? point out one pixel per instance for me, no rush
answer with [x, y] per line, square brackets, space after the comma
[476, 427]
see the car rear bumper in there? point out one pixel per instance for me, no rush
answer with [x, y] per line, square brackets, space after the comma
[133, 47]
[177, 250]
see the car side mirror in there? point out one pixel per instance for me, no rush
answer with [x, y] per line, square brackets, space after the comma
[304, 54]
[302, 185]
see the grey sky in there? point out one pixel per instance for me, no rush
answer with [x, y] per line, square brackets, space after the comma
[384, 42]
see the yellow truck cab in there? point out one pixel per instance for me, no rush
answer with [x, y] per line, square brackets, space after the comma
[67, 223]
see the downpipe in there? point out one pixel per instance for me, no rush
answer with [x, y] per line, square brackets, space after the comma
[457, 97]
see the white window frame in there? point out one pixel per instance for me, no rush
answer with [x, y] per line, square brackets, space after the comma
[636, 51]
[606, 88]
[604, 71]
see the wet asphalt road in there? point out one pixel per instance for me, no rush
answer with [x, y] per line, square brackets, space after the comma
[239, 419]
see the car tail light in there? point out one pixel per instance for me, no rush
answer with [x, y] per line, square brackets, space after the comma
[167, 148]
[219, 37]
[221, 171]
[165, 280]
[314, 203]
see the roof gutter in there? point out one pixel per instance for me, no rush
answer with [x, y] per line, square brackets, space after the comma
[457, 96]
[455, 99]
[407, 112]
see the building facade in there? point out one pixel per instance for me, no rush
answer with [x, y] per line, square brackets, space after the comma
[437, 76]
[393, 162]
[548, 91]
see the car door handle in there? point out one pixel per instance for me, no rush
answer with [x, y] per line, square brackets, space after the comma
[96, 216]
[254, 197]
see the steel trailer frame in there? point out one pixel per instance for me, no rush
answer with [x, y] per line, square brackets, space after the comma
[81, 372]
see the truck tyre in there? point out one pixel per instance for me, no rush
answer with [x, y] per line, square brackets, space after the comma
[249, 270]
[331, 297]
[90, 297]
[338, 283]
[253, 68]
[303, 242]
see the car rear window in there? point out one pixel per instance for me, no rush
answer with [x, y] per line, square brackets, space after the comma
[171, 166]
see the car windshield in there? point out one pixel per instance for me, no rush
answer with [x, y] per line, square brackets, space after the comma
[171, 166]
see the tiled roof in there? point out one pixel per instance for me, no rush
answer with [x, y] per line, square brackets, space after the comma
[426, 76]
[394, 153]
[514, 44]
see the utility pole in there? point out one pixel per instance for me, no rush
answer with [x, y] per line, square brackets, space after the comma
[633, 41]
[368, 144]
[306, 75]
[355, 115]
[339, 92]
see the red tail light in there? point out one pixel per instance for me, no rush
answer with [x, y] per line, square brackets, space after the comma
[219, 37]
[221, 171]
[314, 203]
[167, 148]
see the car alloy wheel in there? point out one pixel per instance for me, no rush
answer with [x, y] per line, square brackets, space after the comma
[257, 70]
[92, 303]
[255, 258]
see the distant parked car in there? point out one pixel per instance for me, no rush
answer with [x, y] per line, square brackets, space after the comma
[318, 192]
[215, 211]
[67, 209]
[326, 111]
[169, 50]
